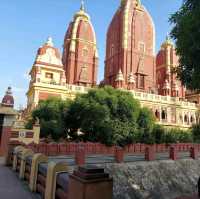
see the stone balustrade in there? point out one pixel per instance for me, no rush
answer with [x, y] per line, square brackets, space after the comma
[141, 96]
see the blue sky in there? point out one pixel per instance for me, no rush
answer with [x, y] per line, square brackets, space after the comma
[25, 25]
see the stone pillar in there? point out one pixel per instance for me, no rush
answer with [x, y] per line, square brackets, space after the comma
[189, 115]
[183, 117]
[80, 156]
[173, 153]
[6, 133]
[194, 153]
[36, 136]
[90, 182]
[149, 153]
[160, 114]
[119, 155]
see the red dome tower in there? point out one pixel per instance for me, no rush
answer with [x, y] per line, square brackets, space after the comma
[8, 100]
[166, 63]
[130, 49]
[80, 56]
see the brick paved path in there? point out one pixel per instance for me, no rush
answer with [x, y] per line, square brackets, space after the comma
[11, 187]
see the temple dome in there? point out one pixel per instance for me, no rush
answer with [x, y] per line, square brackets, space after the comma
[130, 45]
[48, 54]
[80, 53]
[8, 100]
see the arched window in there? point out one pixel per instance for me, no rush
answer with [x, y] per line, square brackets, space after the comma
[185, 118]
[164, 115]
[157, 114]
[112, 50]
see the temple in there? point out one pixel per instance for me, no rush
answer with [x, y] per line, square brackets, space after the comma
[131, 64]
[166, 78]
[80, 54]
[130, 48]
[47, 75]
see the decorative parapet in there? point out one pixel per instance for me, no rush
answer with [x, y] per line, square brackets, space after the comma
[163, 99]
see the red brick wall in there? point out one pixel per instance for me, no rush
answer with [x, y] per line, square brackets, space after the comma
[4, 140]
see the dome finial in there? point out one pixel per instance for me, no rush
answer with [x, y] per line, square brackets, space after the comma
[167, 37]
[49, 41]
[82, 5]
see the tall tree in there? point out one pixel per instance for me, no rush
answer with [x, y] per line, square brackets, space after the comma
[107, 115]
[186, 33]
[50, 112]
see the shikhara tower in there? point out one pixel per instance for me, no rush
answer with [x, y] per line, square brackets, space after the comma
[80, 54]
[130, 48]
[166, 63]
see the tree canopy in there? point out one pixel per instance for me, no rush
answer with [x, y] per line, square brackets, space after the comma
[50, 112]
[107, 115]
[186, 33]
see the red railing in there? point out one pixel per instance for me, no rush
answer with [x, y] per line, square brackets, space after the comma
[54, 149]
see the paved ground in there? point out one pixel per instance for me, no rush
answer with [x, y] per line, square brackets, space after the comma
[11, 187]
[191, 197]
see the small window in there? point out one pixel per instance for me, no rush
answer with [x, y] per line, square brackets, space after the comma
[112, 50]
[141, 81]
[49, 75]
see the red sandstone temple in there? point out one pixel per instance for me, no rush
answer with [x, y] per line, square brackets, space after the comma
[130, 63]
[130, 48]
[80, 55]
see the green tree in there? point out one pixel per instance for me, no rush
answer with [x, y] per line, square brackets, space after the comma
[105, 114]
[196, 133]
[50, 112]
[146, 122]
[159, 134]
[187, 36]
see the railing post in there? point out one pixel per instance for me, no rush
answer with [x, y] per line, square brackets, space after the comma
[193, 153]
[149, 153]
[91, 182]
[173, 153]
[119, 155]
[80, 156]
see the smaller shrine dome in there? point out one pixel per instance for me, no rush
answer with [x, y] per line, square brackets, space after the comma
[49, 54]
[8, 100]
